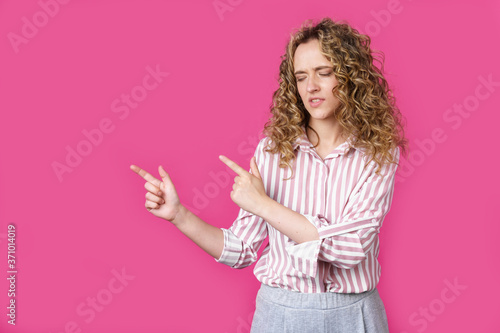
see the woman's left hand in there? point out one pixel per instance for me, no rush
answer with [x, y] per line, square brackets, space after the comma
[248, 189]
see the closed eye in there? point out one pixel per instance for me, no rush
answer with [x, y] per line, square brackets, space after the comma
[301, 79]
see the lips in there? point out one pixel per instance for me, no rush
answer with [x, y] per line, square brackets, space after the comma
[317, 103]
[311, 99]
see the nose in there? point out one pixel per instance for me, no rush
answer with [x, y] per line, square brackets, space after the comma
[312, 85]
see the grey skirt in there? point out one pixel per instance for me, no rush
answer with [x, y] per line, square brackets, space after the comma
[279, 311]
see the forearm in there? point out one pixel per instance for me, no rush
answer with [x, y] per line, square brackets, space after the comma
[290, 223]
[206, 236]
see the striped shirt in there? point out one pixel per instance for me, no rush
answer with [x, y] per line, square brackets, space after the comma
[346, 202]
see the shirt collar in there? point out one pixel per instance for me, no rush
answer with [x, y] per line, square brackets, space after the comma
[305, 145]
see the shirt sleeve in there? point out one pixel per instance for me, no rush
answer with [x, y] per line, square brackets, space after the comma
[244, 238]
[346, 242]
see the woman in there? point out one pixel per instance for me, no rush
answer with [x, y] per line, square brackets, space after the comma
[320, 184]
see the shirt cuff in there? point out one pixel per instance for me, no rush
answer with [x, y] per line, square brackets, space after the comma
[304, 256]
[232, 249]
[326, 229]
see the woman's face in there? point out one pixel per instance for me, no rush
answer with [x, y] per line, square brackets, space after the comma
[315, 79]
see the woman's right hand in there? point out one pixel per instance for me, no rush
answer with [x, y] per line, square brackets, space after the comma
[161, 197]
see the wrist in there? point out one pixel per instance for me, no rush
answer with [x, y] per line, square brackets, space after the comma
[265, 207]
[180, 216]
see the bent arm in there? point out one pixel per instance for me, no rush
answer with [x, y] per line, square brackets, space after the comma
[236, 246]
[346, 241]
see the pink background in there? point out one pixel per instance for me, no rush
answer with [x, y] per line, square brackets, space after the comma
[75, 231]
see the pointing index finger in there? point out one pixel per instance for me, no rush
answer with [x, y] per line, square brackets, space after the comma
[235, 167]
[146, 175]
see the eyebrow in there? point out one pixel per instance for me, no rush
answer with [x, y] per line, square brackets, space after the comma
[315, 68]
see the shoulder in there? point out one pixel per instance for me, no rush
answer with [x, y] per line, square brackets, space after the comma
[263, 150]
[264, 143]
[371, 170]
[366, 156]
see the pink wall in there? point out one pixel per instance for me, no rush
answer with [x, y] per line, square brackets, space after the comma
[64, 74]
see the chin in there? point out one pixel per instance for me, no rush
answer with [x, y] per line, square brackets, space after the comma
[319, 114]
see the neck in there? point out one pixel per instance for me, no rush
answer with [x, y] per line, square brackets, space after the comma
[330, 133]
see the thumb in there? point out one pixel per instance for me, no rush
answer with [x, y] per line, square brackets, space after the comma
[255, 169]
[164, 176]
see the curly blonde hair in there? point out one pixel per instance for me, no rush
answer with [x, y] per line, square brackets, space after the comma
[367, 106]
